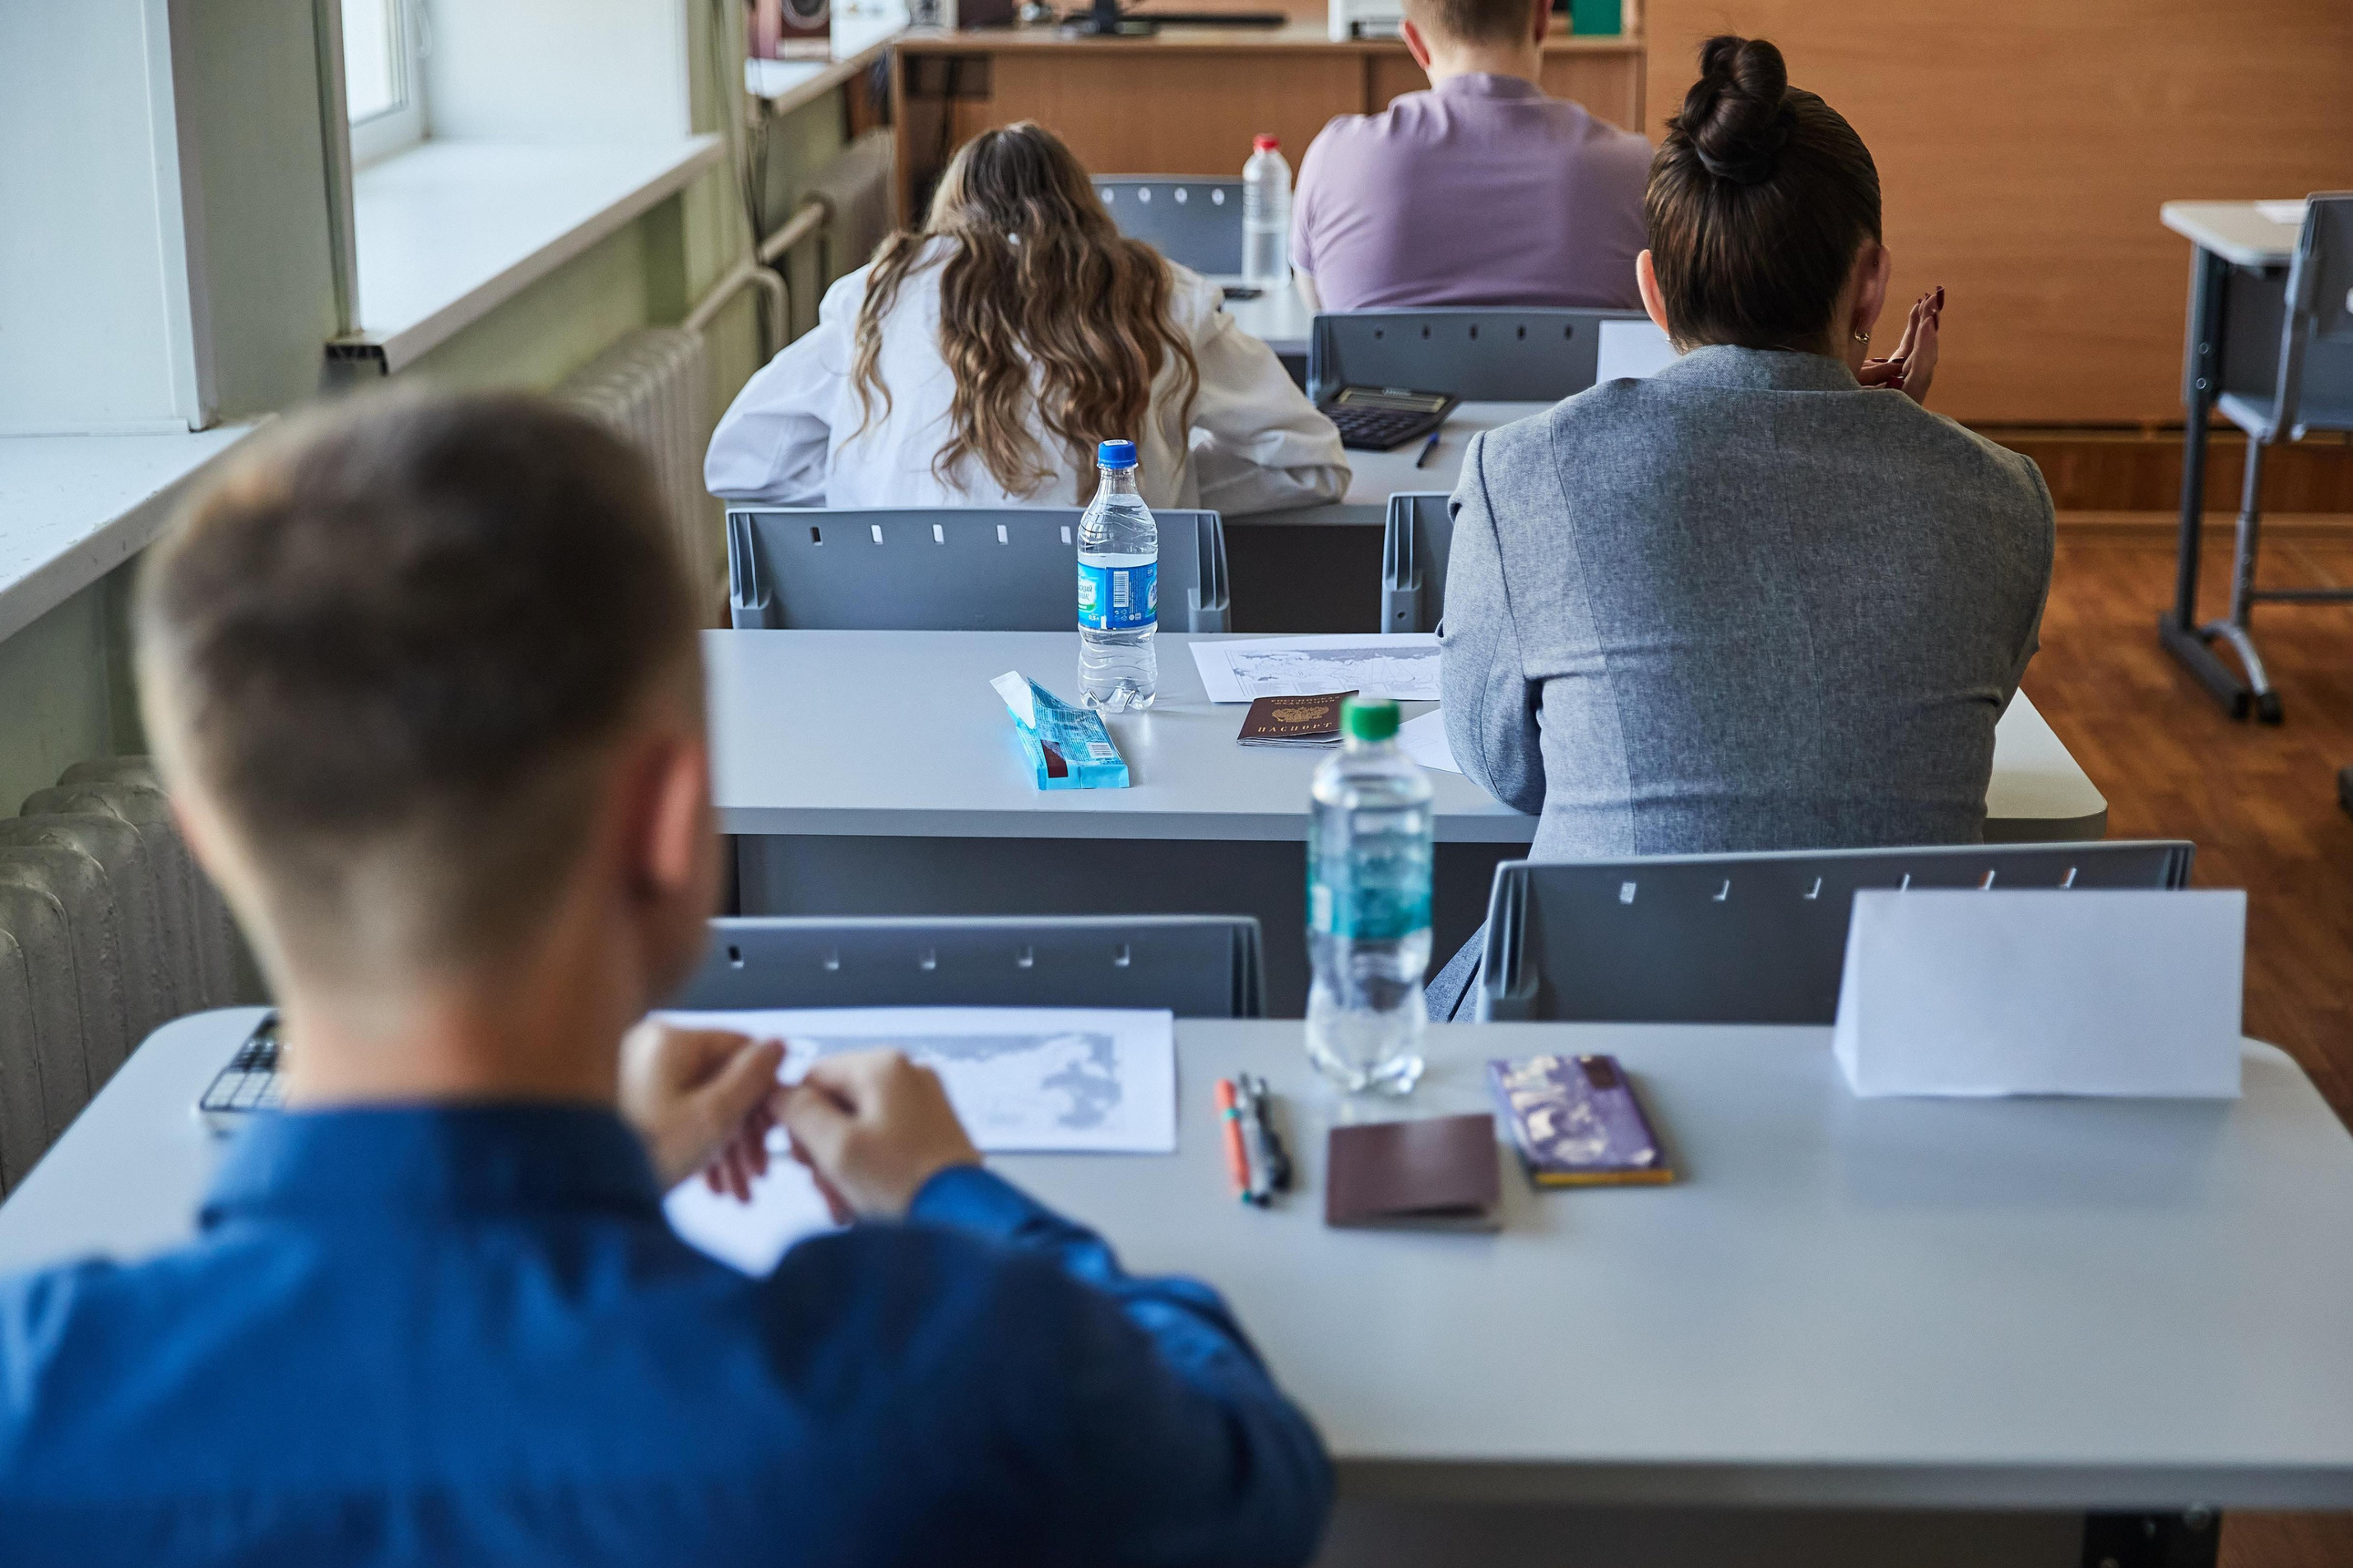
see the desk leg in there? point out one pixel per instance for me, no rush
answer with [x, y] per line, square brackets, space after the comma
[2177, 629]
[2191, 1539]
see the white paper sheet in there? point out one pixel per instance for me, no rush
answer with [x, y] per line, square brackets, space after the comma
[1403, 666]
[1424, 740]
[1635, 349]
[1028, 1080]
[2092, 991]
[2289, 213]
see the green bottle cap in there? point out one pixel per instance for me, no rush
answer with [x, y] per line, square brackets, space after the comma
[1368, 718]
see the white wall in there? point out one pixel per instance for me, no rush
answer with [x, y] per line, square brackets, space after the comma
[559, 70]
[95, 331]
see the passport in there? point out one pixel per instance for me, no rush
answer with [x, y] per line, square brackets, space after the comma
[1578, 1124]
[1293, 720]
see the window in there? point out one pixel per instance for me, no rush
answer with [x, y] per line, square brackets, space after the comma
[383, 90]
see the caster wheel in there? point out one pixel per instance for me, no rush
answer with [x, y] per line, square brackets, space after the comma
[2267, 707]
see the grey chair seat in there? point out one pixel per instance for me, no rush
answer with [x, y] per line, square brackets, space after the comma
[1194, 223]
[2258, 413]
[1197, 966]
[946, 569]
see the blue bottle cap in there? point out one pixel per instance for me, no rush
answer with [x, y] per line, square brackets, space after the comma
[1116, 454]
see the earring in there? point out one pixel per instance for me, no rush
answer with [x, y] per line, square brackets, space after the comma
[1863, 338]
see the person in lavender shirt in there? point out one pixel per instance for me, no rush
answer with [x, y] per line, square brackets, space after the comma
[1481, 191]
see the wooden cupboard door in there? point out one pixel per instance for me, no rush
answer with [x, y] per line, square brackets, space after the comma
[1163, 112]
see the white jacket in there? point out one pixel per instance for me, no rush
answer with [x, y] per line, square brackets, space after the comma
[1255, 443]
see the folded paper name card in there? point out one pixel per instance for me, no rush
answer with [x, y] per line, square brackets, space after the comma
[2093, 991]
[1437, 1173]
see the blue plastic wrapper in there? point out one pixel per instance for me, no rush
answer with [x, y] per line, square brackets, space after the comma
[1069, 747]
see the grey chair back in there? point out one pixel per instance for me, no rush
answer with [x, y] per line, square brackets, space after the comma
[937, 568]
[1480, 355]
[1197, 966]
[1419, 528]
[2315, 362]
[1739, 939]
[1194, 223]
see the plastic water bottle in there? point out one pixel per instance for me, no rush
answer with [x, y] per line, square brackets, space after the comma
[1119, 588]
[1369, 867]
[1266, 216]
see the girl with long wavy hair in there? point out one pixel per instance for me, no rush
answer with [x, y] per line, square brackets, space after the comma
[977, 360]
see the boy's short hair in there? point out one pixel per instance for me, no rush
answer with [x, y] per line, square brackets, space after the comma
[392, 646]
[1471, 21]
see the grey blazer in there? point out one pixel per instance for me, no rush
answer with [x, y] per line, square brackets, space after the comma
[1745, 605]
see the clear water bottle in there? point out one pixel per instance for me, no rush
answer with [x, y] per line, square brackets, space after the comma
[1119, 588]
[1368, 867]
[1266, 216]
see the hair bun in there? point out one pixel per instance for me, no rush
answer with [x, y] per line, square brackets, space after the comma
[1737, 115]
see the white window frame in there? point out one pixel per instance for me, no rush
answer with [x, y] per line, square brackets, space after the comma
[379, 136]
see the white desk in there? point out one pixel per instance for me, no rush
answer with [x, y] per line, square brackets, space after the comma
[2238, 285]
[1278, 318]
[875, 773]
[2034, 1305]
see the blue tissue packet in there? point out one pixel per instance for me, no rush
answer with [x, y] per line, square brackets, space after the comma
[1069, 747]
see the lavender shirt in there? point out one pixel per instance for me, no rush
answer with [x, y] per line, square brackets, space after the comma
[1481, 191]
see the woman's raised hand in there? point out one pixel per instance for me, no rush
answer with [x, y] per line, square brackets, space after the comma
[1913, 366]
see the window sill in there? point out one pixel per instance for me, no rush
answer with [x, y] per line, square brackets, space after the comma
[73, 508]
[448, 231]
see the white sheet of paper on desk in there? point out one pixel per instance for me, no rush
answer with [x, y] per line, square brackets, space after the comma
[1023, 1079]
[2042, 991]
[1631, 350]
[1424, 740]
[786, 1207]
[2289, 213]
[1403, 666]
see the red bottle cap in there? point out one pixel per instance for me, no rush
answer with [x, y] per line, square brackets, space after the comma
[1264, 144]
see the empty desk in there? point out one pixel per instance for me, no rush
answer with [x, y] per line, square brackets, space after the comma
[875, 773]
[1888, 1314]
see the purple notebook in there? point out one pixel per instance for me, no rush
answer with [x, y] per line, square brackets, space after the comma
[1577, 1122]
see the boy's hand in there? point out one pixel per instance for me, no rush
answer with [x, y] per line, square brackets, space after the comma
[873, 1127]
[702, 1100]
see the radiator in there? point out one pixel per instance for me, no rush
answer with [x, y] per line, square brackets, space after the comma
[653, 388]
[855, 189]
[108, 929]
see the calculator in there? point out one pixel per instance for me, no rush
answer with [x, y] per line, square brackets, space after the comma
[1379, 418]
[249, 1083]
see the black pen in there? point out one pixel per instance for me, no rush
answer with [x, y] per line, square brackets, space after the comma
[1427, 447]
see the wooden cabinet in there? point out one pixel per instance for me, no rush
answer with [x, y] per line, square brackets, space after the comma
[1186, 101]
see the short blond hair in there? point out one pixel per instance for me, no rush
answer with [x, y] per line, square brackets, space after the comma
[1471, 21]
[392, 646]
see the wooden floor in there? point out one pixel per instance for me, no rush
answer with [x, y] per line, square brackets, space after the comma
[2259, 801]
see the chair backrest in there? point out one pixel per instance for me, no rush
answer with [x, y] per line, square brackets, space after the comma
[1739, 939]
[1197, 966]
[1194, 223]
[1479, 354]
[1414, 541]
[938, 569]
[2315, 362]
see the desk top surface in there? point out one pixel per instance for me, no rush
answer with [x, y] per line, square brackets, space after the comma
[2244, 233]
[1374, 476]
[1906, 1302]
[899, 734]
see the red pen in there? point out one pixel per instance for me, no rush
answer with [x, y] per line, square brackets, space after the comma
[1237, 1155]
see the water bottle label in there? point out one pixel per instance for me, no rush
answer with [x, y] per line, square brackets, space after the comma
[1368, 911]
[1119, 598]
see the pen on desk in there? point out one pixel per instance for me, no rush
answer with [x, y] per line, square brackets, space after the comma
[1247, 1109]
[1276, 1159]
[1236, 1152]
[1427, 447]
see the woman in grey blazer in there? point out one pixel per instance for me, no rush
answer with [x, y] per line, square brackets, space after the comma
[1766, 599]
